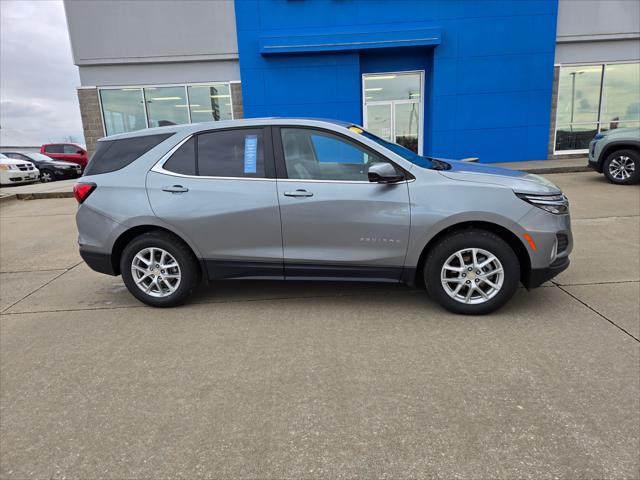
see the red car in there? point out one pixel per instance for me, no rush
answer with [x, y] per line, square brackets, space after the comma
[69, 152]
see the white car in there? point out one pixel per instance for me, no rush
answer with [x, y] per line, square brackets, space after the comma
[13, 172]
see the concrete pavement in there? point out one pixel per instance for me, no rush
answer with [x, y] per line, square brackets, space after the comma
[289, 380]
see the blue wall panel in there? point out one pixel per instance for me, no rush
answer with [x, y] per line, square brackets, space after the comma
[488, 81]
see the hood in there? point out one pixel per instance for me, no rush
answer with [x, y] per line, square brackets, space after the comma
[620, 132]
[13, 161]
[518, 181]
[61, 163]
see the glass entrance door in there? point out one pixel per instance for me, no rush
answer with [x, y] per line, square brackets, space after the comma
[393, 107]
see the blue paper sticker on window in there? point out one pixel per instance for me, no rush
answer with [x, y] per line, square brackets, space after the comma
[250, 153]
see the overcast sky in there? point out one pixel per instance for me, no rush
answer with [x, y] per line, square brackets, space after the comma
[38, 80]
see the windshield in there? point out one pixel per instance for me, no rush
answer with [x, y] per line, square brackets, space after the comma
[404, 152]
[39, 157]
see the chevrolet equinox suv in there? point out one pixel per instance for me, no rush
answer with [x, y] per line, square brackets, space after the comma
[301, 199]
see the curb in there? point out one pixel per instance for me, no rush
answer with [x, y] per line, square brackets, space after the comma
[547, 170]
[43, 195]
[8, 198]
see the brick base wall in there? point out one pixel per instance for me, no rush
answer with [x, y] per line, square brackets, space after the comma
[236, 100]
[554, 107]
[91, 117]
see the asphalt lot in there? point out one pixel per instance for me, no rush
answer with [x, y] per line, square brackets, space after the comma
[302, 380]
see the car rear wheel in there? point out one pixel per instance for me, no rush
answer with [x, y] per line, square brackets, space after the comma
[622, 167]
[472, 272]
[159, 269]
[47, 176]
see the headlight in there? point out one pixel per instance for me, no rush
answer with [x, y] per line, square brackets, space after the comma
[556, 204]
[5, 167]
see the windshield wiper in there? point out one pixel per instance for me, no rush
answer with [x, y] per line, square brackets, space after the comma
[438, 164]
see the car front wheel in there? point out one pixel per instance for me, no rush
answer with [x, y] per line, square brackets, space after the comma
[159, 269]
[622, 167]
[472, 272]
[47, 176]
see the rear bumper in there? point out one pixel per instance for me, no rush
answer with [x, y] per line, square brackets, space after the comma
[538, 276]
[100, 262]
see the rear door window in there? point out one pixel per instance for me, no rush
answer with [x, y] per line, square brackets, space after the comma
[112, 155]
[231, 153]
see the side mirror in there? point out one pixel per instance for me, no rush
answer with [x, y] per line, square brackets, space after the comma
[80, 152]
[384, 173]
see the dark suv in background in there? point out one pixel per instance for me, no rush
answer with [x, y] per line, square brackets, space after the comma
[616, 153]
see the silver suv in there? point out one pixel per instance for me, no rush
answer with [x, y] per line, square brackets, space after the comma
[301, 199]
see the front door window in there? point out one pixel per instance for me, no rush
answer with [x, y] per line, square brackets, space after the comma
[316, 155]
[393, 107]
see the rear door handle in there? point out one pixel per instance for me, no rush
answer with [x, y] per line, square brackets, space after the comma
[298, 193]
[175, 189]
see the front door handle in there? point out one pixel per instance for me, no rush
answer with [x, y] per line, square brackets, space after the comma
[175, 189]
[298, 193]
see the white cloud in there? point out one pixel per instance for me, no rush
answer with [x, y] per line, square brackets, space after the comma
[38, 80]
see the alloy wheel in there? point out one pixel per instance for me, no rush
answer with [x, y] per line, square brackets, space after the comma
[156, 272]
[46, 177]
[472, 276]
[622, 167]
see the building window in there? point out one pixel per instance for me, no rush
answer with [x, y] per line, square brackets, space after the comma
[166, 106]
[594, 98]
[210, 102]
[122, 110]
[133, 108]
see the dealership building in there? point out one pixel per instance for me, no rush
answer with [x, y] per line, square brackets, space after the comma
[502, 80]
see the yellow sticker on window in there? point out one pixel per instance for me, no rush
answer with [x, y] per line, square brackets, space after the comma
[355, 129]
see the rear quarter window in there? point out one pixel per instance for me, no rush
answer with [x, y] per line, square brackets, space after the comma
[183, 160]
[112, 155]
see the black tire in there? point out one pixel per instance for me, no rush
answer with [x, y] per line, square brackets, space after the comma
[189, 268]
[466, 239]
[619, 156]
[49, 174]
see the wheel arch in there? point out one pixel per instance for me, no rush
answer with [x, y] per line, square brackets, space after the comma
[615, 146]
[125, 237]
[504, 233]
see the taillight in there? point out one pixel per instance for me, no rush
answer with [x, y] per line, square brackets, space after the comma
[82, 190]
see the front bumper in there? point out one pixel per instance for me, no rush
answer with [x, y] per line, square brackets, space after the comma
[592, 159]
[15, 177]
[66, 174]
[553, 241]
[538, 276]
